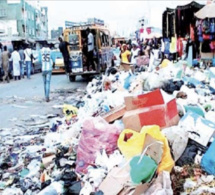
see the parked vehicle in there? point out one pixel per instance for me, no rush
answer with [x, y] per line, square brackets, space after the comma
[58, 62]
[76, 36]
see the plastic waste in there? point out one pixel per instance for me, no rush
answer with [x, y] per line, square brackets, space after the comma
[176, 136]
[96, 135]
[54, 189]
[75, 188]
[161, 186]
[131, 144]
[142, 169]
[208, 160]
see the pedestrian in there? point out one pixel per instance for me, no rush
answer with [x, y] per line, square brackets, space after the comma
[47, 63]
[22, 58]
[28, 54]
[16, 64]
[64, 50]
[5, 64]
[90, 44]
[134, 52]
[125, 54]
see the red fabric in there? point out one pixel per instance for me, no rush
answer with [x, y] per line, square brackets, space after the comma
[180, 47]
[192, 34]
[206, 37]
[148, 30]
[141, 30]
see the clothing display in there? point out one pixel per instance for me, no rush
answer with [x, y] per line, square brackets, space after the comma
[166, 45]
[173, 45]
[168, 23]
[180, 47]
[185, 18]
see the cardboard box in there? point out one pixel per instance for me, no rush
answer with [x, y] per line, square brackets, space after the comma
[114, 114]
[154, 108]
[145, 100]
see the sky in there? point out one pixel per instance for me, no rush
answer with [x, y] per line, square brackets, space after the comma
[121, 16]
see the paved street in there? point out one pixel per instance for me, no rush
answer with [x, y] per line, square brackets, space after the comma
[20, 99]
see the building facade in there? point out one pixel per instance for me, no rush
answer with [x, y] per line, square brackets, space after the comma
[56, 33]
[22, 20]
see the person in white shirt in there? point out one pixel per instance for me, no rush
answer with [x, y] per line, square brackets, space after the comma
[90, 45]
[47, 64]
[28, 54]
[134, 52]
[16, 64]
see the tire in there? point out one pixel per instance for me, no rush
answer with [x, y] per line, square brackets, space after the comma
[72, 78]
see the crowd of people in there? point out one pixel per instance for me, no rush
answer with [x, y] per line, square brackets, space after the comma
[12, 63]
[133, 49]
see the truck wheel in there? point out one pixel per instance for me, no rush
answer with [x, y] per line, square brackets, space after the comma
[72, 78]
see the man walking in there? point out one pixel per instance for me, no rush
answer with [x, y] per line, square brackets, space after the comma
[22, 58]
[64, 50]
[16, 64]
[47, 63]
[28, 54]
[5, 64]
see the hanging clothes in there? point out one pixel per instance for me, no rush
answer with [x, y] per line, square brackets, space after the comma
[173, 45]
[185, 17]
[190, 52]
[167, 23]
[192, 33]
[179, 47]
[166, 45]
[206, 47]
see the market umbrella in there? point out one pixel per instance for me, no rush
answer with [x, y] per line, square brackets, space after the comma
[208, 11]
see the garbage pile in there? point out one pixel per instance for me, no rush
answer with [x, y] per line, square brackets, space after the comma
[132, 133]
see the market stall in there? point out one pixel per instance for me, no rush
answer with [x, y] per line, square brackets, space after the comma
[206, 30]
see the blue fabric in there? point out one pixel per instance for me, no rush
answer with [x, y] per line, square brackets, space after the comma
[21, 69]
[213, 61]
[200, 39]
[28, 69]
[166, 45]
[194, 81]
[47, 80]
[208, 160]
[128, 81]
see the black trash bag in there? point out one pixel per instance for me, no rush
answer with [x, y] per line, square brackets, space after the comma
[69, 177]
[172, 86]
[61, 150]
[112, 71]
[97, 193]
[75, 188]
[191, 85]
[188, 157]
[212, 90]
[80, 104]
[45, 184]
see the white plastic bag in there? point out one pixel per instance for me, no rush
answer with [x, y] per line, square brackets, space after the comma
[161, 186]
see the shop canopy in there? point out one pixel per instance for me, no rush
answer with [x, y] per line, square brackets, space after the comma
[208, 11]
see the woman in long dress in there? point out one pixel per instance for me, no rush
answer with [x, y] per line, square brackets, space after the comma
[16, 64]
